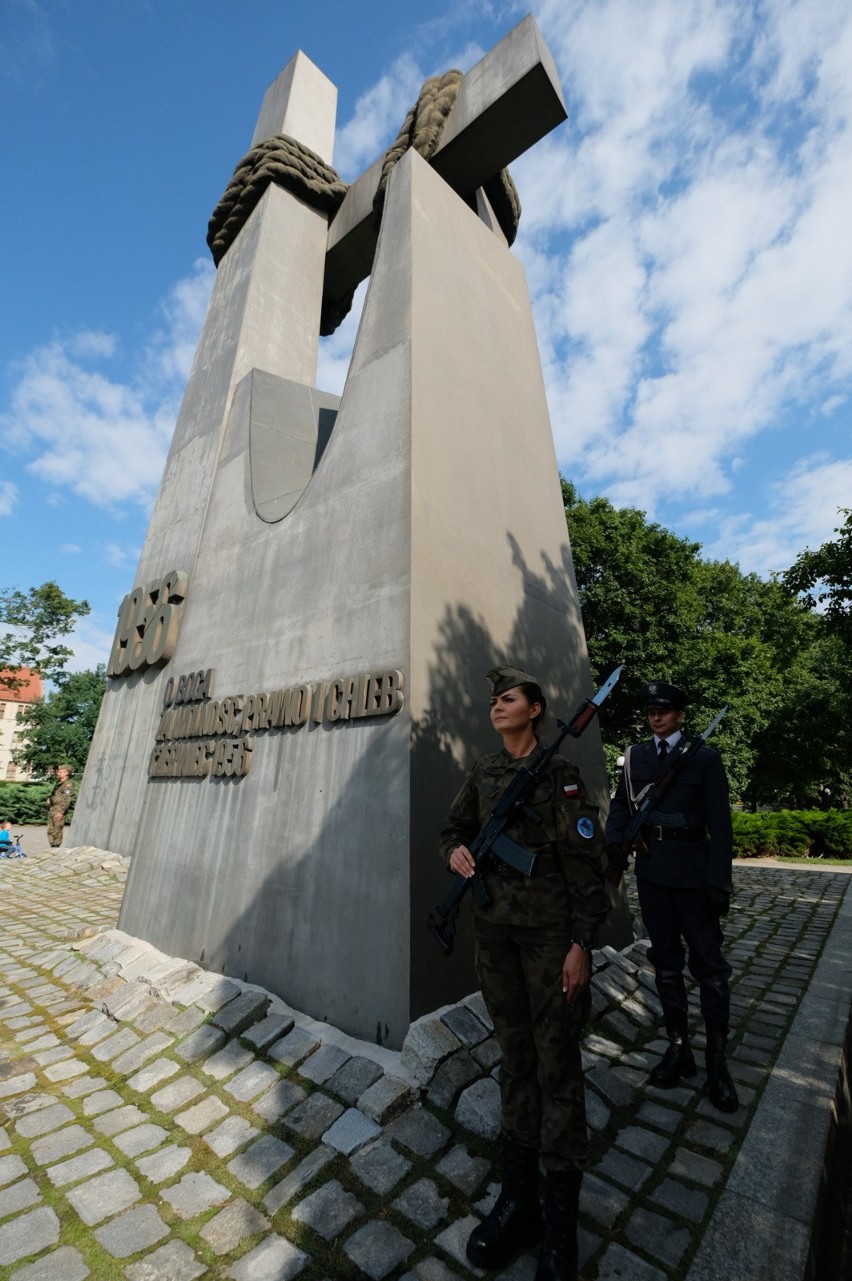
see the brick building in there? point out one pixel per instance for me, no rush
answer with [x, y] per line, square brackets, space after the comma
[12, 703]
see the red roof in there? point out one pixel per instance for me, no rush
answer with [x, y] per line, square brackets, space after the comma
[28, 687]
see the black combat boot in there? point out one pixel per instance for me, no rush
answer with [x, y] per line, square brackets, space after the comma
[678, 1060]
[515, 1220]
[720, 1087]
[558, 1258]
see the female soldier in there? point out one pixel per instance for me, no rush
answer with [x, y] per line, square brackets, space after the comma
[532, 961]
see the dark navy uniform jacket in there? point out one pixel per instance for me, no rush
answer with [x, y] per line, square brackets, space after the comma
[697, 802]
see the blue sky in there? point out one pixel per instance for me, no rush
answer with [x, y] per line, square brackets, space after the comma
[685, 236]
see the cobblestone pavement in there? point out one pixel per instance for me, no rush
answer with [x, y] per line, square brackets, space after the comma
[159, 1122]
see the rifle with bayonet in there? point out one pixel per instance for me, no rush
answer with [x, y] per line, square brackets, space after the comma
[491, 842]
[688, 746]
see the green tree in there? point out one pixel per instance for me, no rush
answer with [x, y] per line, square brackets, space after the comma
[60, 729]
[824, 577]
[650, 602]
[37, 620]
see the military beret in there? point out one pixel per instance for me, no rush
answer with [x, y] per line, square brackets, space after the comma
[661, 694]
[503, 678]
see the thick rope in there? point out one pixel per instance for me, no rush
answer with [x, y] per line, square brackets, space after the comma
[289, 164]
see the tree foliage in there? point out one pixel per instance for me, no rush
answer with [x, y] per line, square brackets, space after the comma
[60, 729]
[37, 620]
[650, 602]
[824, 577]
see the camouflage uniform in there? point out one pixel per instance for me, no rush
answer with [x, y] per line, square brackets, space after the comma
[57, 807]
[522, 939]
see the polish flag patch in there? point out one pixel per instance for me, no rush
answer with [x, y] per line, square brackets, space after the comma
[571, 790]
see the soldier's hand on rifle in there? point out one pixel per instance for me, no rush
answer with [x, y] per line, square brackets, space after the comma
[576, 972]
[461, 861]
[720, 900]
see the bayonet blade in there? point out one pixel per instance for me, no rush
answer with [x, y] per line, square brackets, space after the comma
[607, 687]
[713, 724]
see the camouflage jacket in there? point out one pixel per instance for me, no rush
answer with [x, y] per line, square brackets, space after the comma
[566, 889]
[60, 797]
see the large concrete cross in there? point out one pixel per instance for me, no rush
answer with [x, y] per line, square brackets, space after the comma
[505, 104]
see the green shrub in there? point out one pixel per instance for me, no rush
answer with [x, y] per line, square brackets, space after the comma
[794, 833]
[23, 803]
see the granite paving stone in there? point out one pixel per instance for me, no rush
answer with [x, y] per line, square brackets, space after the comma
[283, 1096]
[419, 1131]
[194, 1194]
[227, 1061]
[269, 1030]
[201, 1115]
[385, 1098]
[352, 1079]
[328, 1210]
[293, 1048]
[377, 1248]
[200, 1044]
[152, 1075]
[313, 1117]
[478, 1109]
[275, 1259]
[142, 1138]
[53, 1147]
[20, 1196]
[247, 1008]
[11, 1167]
[83, 1086]
[232, 1225]
[293, 1183]
[380, 1167]
[464, 1171]
[657, 1235]
[323, 1063]
[105, 1195]
[78, 1167]
[174, 1261]
[27, 1234]
[423, 1204]
[251, 1081]
[132, 1232]
[164, 1164]
[123, 1118]
[64, 1264]
[112, 1046]
[133, 1058]
[234, 1132]
[691, 1165]
[688, 1203]
[177, 1093]
[260, 1161]
[43, 1121]
[351, 1131]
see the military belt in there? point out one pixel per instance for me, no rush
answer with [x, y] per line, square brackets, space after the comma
[658, 833]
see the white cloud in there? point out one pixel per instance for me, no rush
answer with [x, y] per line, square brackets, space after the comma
[804, 512]
[97, 435]
[119, 557]
[687, 247]
[377, 118]
[70, 549]
[8, 497]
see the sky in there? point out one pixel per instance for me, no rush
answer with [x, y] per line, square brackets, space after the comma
[685, 236]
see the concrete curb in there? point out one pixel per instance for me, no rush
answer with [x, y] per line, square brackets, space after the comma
[763, 1223]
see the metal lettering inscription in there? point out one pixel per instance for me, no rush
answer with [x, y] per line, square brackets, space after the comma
[148, 624]
[202, 737]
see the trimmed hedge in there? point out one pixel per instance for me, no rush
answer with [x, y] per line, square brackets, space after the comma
[800, 833]
[23, 803]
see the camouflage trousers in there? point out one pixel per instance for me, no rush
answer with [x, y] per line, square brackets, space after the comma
[54, 828]
[541, 1082]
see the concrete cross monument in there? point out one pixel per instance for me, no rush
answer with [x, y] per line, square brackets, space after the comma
[297, 681]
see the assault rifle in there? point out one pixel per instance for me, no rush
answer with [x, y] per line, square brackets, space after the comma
[654, 793]
[491, 842]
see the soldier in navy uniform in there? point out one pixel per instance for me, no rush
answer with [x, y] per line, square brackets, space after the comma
[683, 876]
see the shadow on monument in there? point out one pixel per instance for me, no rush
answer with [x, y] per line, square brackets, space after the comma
[451, 733]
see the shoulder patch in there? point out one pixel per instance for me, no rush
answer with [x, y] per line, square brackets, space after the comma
[586, 828]
[571, 790]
